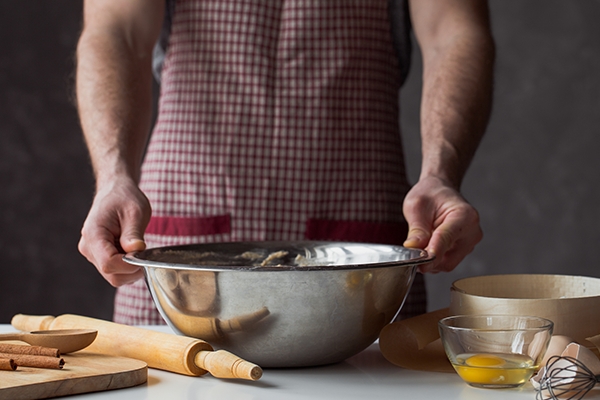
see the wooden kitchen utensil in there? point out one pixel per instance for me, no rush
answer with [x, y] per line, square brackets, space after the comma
[65, 340]
[175, 353]
[84, 372]
[414, 343]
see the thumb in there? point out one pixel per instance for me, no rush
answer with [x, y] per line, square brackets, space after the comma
[132, 239]
[417, 237]
[417, 213]
[134, 221]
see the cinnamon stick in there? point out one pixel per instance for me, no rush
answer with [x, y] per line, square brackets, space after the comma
[7, 364]
[26, 360]
[31, 350]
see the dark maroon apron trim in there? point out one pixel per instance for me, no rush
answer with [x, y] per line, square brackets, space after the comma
[189, 226]
[357, 231]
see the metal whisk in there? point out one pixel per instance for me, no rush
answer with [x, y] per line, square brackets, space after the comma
[566, 378]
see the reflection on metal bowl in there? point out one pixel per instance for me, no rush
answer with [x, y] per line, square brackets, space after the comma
[310, 303]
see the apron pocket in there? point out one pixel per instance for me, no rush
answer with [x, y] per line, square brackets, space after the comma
[190, 226]
[357, 231]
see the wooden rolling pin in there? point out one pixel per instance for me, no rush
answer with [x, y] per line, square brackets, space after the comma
[174, 353]
[415, 343]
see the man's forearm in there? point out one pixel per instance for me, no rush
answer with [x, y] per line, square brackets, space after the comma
[455, 110]
[114, 106]
[114, 91]
[457, 97]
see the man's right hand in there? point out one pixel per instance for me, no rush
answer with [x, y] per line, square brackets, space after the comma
[115, 225]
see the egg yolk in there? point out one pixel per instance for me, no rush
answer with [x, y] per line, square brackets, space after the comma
[490, 369]
[484, 360]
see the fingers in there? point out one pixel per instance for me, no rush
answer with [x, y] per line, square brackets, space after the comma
[453, 240]
[114, 226]
[101, 251]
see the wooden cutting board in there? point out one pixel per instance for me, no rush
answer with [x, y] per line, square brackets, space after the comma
[83, 372]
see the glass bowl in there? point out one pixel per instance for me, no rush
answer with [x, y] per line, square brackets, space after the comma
[495, 351]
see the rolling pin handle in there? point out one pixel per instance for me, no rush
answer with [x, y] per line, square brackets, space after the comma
[223, 364]
[30, 323]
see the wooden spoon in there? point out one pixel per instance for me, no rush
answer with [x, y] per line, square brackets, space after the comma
[65, 340]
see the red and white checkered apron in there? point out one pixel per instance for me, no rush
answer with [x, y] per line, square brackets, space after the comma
[278, 121]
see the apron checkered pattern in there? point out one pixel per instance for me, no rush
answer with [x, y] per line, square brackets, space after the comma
[278, 121]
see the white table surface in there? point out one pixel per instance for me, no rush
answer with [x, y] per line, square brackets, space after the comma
[367, 375]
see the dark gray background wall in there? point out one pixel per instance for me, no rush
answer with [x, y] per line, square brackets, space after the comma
[534, 179]
[46, 184]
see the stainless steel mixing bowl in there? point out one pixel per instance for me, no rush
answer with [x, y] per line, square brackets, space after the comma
[281, 304]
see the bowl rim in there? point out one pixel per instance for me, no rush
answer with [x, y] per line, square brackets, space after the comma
[135, 258]
[547, 324]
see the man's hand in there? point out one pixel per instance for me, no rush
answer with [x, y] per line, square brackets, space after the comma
[114, 226]
[442, 222]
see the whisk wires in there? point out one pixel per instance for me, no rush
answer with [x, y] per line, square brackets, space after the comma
[566, 378]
